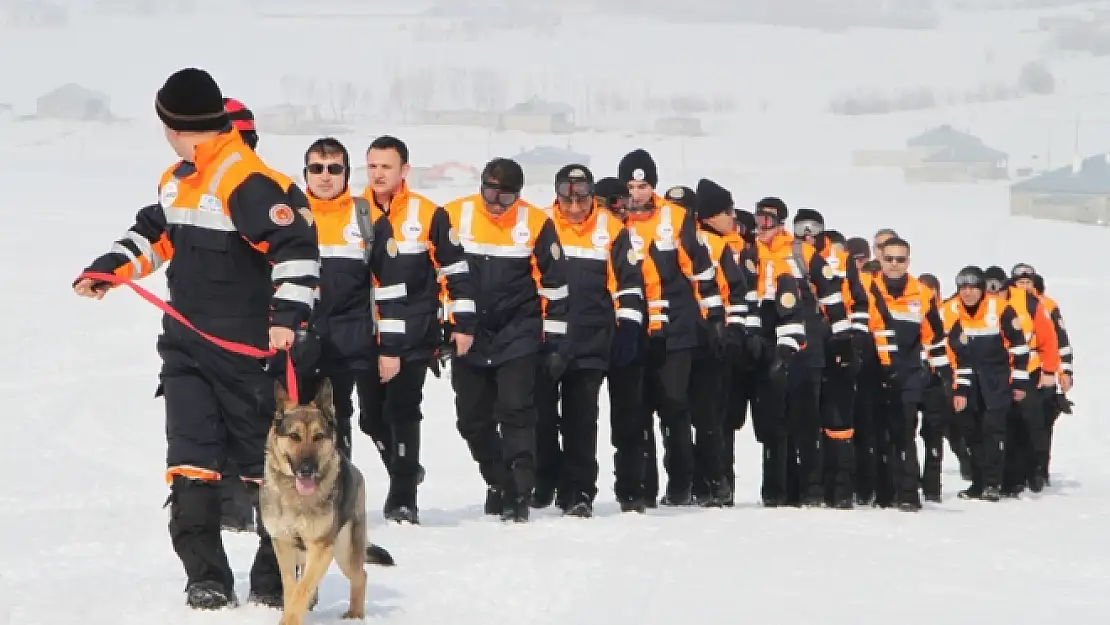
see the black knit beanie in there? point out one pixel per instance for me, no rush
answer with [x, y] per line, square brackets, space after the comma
[858, 247]
[191, 101]
[684, 197]
[638, 166]
[713, 199]
[610, 188]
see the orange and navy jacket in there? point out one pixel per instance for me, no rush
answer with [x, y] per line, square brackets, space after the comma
[792, 281]
[1063, 341]
[906, 325]
[518, 270]
[988, 346]
[852, 290]
[604, 279]
[727, 253]
[679, 279]
[1040, 332]
[239, 239]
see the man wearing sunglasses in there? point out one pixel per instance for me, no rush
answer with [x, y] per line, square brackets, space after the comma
[680, 318]
[606, 317]
[838, 381]
[793, 282]
[717, 381]
[519, 269]
[1027, 438]
[905, 323]
[1057, 402]
[991, 357]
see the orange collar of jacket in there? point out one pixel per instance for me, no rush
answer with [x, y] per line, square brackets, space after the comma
[342, 202]
[211, 152]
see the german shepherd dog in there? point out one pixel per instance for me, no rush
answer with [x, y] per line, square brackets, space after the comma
[313, 503]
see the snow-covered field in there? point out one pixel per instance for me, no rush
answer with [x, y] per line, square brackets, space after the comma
[82, 533]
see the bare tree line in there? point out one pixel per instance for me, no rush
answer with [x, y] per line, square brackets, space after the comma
[437, 88]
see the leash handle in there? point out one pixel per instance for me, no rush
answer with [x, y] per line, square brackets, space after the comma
[234, 347]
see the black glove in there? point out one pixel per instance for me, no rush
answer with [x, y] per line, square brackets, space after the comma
[843, 352]
[944, 374]
[754, 345]
[556, 365]
[717, 339]
[1063, 404]
[777, 372]
[626, 343]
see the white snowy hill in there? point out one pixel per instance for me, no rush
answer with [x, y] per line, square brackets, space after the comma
[82, 532]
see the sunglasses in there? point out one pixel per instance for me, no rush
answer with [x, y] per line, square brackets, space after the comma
[895, 259]
[578, 190]
[318, 168]
[807, 227]
[493, 194]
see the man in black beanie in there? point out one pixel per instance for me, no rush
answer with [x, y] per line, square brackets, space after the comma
[680, 318]
[794, 281]
[245, 264]
[720, 387]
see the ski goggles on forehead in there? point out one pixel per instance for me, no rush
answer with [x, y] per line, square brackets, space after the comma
[574, 190]
[970, 280]
[494, 194]
[807, 228]
[1022, 271]
[766, 221]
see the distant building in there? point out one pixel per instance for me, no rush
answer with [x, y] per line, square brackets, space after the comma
[679, 126]
[945, 154]
[34, 14]
[1079, 193]
[539, 116]
[74, 103]
[541, 163]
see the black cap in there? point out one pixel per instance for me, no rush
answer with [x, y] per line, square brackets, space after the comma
[638, 166]
[575, 173]
[683, 196]
[505, 173]
[191, 101]
[713, 199]
[610, 188]
[858, 247]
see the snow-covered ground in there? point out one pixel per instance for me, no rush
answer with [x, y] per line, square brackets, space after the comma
[83, 536]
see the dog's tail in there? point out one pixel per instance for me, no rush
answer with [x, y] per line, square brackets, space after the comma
[376, 554]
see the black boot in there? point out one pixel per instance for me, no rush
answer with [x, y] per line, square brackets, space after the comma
[494, 501]
[632, 504]
[579, 505]
[516, 509]
[208, 596]
[775, 460]
[195, 532]
[400, 503]
[543, 495]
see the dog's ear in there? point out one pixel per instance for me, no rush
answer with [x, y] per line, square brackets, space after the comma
[325, 396]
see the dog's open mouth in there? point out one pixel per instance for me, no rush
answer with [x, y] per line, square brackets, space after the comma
[306, 485]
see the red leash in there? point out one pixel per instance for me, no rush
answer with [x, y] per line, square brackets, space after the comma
[236, 348]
